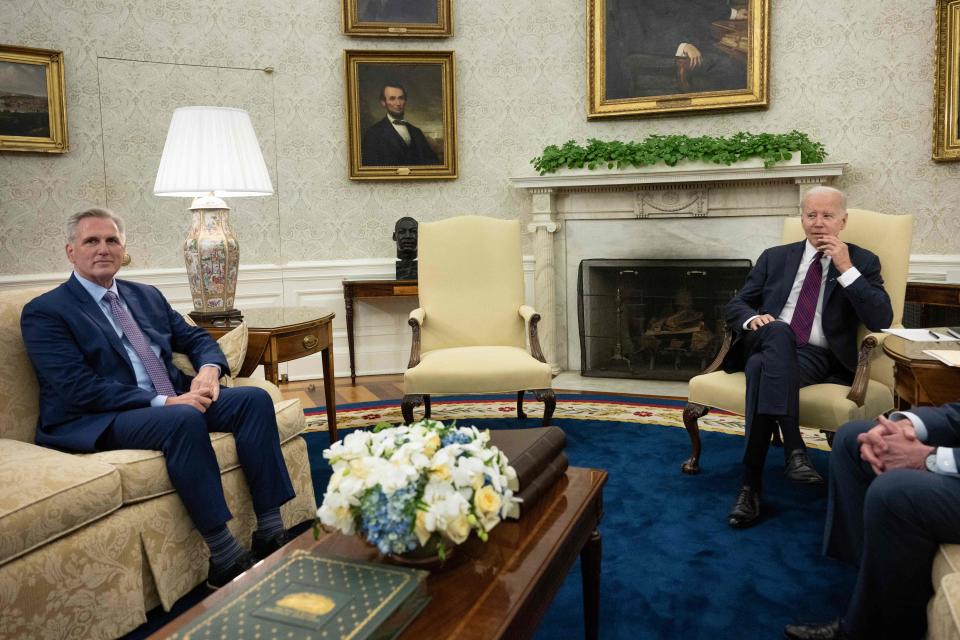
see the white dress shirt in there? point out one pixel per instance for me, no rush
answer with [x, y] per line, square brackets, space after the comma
[400, 128]
[786, 314]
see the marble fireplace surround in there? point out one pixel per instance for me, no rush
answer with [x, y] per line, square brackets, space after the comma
[712, 212]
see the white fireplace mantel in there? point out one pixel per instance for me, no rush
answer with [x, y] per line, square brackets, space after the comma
[706, 211]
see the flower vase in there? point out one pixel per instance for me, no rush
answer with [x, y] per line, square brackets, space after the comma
[427, 557]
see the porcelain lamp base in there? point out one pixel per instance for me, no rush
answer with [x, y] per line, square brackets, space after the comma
[212, 257]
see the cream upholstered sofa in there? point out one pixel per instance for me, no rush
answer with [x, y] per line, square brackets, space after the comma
[90, 542]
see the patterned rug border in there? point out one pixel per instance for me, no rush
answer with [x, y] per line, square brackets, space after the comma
[649, 410]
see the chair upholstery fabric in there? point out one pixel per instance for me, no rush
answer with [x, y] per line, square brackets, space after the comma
[90, 542]
[471, 283]
[471, 294]
[476, 370]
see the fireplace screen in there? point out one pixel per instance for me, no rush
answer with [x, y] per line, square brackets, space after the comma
[653, 319]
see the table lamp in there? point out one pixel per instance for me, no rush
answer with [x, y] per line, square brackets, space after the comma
[212, 153]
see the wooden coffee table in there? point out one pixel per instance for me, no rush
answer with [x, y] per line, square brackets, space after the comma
[500, 589]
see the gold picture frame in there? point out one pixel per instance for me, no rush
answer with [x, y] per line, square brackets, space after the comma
[662, 57]
[398, 18]
[33, 107]
[946, 97]
[401, 115]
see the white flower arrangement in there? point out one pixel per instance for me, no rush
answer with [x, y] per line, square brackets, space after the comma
[404, 487]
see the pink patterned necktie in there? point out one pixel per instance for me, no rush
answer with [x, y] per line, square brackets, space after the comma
[806, 308]
[153, 365]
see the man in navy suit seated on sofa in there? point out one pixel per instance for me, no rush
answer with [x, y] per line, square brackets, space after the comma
[795, 323]
[101, 348]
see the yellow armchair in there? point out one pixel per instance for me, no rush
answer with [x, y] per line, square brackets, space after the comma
[471, 331]
[825, 406]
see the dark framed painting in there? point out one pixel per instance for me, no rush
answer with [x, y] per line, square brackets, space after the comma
[33, 108]
[398, 18]
[401, 115]
[946, 127]
[676, 56]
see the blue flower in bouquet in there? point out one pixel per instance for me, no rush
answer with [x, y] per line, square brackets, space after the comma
[403, 487]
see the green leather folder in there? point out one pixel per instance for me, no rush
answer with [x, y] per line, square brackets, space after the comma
[315, 596]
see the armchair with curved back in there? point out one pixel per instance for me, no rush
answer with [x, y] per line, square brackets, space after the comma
[471, 330]
[826, 406]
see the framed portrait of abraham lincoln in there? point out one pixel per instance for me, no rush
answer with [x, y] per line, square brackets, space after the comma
[398, 18]
[946, 119]
[401, 112]
[660, 57]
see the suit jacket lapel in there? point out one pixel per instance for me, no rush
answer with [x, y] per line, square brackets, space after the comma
[93, 311]
[791, 264]
[832, 274]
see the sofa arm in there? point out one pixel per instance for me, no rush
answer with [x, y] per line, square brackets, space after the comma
[267, 386]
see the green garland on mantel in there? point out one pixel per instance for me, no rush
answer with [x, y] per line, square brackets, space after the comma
[772, 147]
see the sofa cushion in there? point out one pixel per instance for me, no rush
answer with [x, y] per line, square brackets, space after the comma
[55, 493]
[234, 347]
[143, 472]
[19, 392]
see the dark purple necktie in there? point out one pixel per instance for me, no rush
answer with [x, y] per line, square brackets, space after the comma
[153, 365]
[806, 308]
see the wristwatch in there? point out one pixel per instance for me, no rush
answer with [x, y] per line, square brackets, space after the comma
[931, 462]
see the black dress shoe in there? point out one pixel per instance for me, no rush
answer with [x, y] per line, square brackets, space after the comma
[746, 509]
[219, 576]
[828, 631]
[800, 469]
[262, 547]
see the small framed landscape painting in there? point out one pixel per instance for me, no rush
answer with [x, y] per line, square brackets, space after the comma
[33, 110]
[401, 111]
[676, 56]
[398, 18]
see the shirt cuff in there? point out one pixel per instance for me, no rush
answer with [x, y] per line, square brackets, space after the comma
[211, 364]
[158, 401]
[847, 277]
[946, 462]
[749, 320]
[918, 426]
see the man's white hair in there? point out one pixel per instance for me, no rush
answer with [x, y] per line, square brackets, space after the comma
[825, 190]
[94, 212]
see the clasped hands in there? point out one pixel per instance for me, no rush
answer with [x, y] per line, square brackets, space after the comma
[893, 445]
[204, 390]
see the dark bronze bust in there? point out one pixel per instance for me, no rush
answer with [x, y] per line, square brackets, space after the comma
[405, 235]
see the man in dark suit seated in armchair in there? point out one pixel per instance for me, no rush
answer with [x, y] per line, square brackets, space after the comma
[795, 324]
[894, 499]
[102, 347]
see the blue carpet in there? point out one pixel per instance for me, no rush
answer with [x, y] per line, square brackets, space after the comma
[672, 568]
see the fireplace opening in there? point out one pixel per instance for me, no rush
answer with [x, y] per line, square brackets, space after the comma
[653, 319]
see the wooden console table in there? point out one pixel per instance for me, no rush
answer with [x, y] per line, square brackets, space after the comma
[281, 334]
[353, 289]
[500, 589]
[919, 379]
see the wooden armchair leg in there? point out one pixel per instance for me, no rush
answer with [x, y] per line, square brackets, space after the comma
[549, 400]
[427, 410]
[691, 413]
[407, 405]
[520, 414]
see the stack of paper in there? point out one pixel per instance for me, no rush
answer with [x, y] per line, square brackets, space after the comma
[926, 335]
[951, 358]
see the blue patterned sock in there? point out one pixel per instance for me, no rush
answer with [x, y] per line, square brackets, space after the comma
[269, 523]
[224, 548]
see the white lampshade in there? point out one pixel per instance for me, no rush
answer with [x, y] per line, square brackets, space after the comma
[212, 150]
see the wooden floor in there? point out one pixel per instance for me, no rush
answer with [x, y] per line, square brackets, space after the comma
[371, 389]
